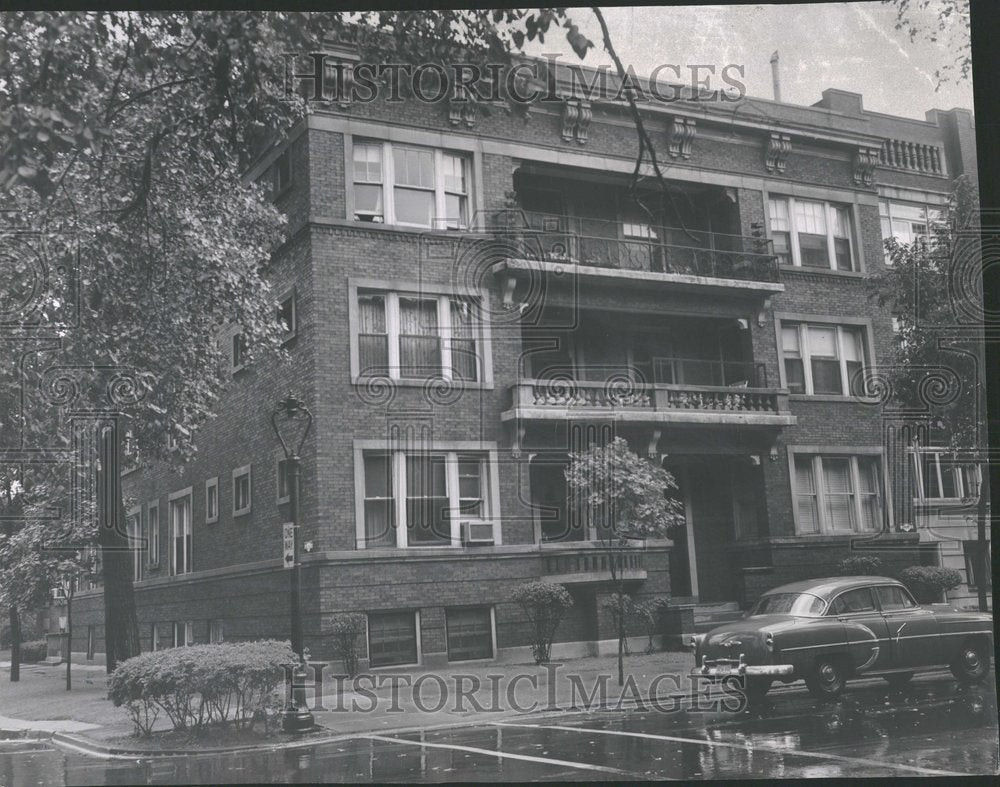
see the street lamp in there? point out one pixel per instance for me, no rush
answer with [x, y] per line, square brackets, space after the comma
[295, 417]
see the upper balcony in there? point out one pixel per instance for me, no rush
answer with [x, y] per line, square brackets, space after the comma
[686, 237]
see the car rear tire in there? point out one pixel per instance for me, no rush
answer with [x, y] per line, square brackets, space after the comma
[827, 678]
[898, 679]
[972, 664]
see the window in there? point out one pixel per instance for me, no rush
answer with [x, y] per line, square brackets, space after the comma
[154, 638]
[180, 532]
[392, 639]
[837, 493]
[414, 498]
[907, 222]
[853, 601]
[812, 234]
[893, 598]
[153, 534]
[282, 172]
[212, 500]
[241, 490]
[823, 358]
[470, 633]
[285, 313]
[409, 185]
[183, 634]
[410, 336]
[215, 632]
[282, 480]
[973, 551]
[133, 525]
[941, 476]
[239, 352]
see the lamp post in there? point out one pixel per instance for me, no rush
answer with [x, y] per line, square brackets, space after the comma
[292, 412]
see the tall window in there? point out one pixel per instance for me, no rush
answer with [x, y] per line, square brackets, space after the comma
[974, 573]
[414, 499]
[153, 533]
[133, 524]
[212, 500]
[412, 336]
[941, 475]
[409, 185]
[812, 234]
[180, 534]
[907, 222]
[242, 493]
[837, 493]
[823, 358]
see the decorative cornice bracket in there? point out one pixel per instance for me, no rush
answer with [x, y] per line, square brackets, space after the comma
[680, 136]
[865, 161]
[776, 155]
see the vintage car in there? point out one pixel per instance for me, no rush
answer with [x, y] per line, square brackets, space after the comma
[827, 631]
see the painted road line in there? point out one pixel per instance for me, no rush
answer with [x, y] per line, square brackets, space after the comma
[511, 755]
[757, 749]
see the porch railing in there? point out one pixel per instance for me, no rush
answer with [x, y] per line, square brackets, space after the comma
[619, 394]
[638, 247]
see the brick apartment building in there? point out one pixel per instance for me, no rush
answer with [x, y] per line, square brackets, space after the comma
[469, 297]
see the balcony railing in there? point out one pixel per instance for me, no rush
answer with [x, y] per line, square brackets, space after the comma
[563, 394]
[594, 565]
[638, 247]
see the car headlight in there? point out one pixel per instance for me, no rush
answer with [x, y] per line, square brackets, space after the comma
[695, 641]
[769, 641]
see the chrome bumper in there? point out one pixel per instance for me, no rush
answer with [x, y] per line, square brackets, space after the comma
[720, 668]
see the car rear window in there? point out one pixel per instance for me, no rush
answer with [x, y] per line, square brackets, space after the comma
[805, 604]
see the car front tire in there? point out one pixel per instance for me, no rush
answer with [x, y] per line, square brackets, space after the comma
[827, 678]
[972, 664]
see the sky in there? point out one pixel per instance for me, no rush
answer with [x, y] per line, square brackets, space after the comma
[851, 46]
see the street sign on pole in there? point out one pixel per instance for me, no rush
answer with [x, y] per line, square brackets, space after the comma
[288, 543]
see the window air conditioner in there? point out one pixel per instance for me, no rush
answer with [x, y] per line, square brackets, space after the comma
[477, 533]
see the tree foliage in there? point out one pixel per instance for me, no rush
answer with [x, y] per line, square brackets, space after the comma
[945, 21]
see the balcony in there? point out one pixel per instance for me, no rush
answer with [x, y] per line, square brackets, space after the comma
[589, 565]
[623, 400]
[622, 250]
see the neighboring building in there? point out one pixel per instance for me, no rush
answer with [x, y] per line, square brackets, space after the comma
[470, 298]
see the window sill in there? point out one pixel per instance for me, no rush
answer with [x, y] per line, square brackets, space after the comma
[865, 400]
[413, 382]
[281, 501]
[244, 512]
[212, 521]
[285, 190]
[823, 272]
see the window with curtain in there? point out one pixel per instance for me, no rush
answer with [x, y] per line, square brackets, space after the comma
[180, 535]
[373, 337]
[812, 234]
[418, 498]
[823, 358]
[419, 338]
[427, 516]
[837, 493]
[380, 524]
[133, 524]
[415, 336]
[410, 185]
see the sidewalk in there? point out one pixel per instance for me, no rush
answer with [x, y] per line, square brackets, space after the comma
[390, 699]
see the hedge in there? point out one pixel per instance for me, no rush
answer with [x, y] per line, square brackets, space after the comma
[202, 684]
[33, 651]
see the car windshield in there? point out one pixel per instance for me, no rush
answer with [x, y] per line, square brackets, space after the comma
[804, 604]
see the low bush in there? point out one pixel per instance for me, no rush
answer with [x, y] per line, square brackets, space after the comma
[861, 565]
[927, 583]
[544, 604]
[34, 651]
[648, 613]
[199, 685]
[346, 632]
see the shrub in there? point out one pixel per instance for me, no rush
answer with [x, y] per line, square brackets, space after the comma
[345, 632]
[927, 583]
[36, 650]
[861, 565]
[199, 685]
[544, 604]
[648, 615]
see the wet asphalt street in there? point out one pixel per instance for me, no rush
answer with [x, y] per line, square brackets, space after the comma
[932, 728]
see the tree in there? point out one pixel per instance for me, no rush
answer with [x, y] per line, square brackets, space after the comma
[934, 333]
[940, 20]
[126, 135]
[623, 497]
